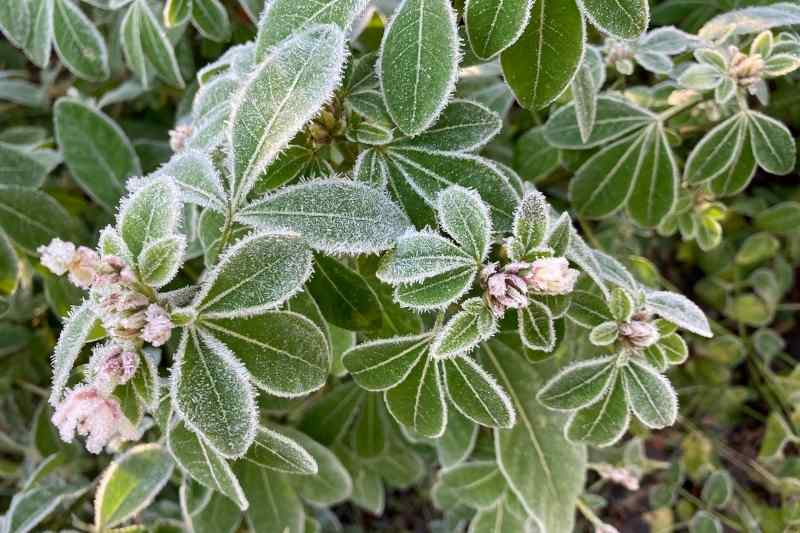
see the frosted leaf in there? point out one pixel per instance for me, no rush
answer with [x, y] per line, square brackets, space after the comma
[147, 47]
[276, 100]
[493, 26]
[259, 273]
[77, 327]
[28, 508]
[421, 255]
[149, 213]
[436, 292]
[334, 216]
[464, 331]
[584, 93]
[717, 151]
[160, 260]
[477, 395]
[650, 395]
[331, 484]
[479, 484]
[130, 484]
[278, 452]
[751, 20]
[197, 179]
[773, 145]
[530, 224]
[203, 464]
[211, 393]
[15, 21]
[625, 19]
[40, 38]
[466, 219]
[19, 166]
[604, 422]
[371, 168]
[418, 62]
[110, 243]
[210, 18]
[368, 133]
[285, 353]
[418, 402]
[579, 385]
[211, 109]
[612, 271]
[382, 364]
[78, 44]
[536, 329]
[463, 126]
[679, 310]
[284, 512]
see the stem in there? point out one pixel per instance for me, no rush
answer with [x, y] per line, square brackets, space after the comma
[588, 513]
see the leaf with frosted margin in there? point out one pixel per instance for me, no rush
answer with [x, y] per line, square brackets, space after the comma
[331, 484]
[282, 18]
[382, 364]
[751, 20]
[40, 38]
[28, 508]
[210, 111]
[534, 157]
[371, 169]
[737, 176]
[543, 469]
[334, 216]
[79, 45]
[584, 93]
[132, 47]
[602, 423]
[211, 392]
[531, 220]
[717, 150]
[418, 63]
[588, 309]
[479, 484]
[674, 348]
[655, 188]
[276, 506]
[493, 26]
[368, 133]
[458, 440]
[578, 385]
[464, 331]
[615, 118]
[211, 19]
[279, 97]
[155, 46]
[15, 21]
[131, 483]
[215, 514]
[679, 310]
[436, 292]
[77, 327]
[96, 151]
[285, 354]
[9, 266]
[543, 61]
[508, 516]
[615, 272]
[429, 171]
[773, 144]
[198, 180]
[418, 401]
[466, 219]
[278, 452]
[345, 297]
[477, 395]
[149, 213]
[421, 255]
[403, 192]
[160, 260]
[536, 328]
[650, 395]
[176, 12]
[258, 273]
[624, 19]
[19, 167]
[329, 418]
[463, 126]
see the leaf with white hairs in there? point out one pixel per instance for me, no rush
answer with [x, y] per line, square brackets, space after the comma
[464, 216]
[77, 327]
[421, 255]
[624, 19]
[160, 260]
[197, 179]
[418, 402]
[579, 385]
[650, 395]
[78, 44]
[494, 26]
[679, 310]
[477, 395]
[531, 220]
[278, 452]
[149, 213]
[463, 126]
[382, 364]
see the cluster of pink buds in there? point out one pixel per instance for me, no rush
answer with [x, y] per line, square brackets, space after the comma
[746, 70]
[61, 257]
[509, 286]
[113, 364]
[620, 476]
[639, 332]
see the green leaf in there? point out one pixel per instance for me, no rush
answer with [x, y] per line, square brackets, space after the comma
[418, 401]
[211, 19]
[214, 514]
[382, 364]
[18, 166]
[160, 260]
[436, 292]
[77, 327]
[542, 468]
[334, 216]
[79, 45]
[465, 330]
[149, 213]
[508, 516]
[531, 220]
[15, 21]
[543, 61]
[421, 255]
[534, 156]
[330, 417]
[198, 180]
[9, 266]
[615, 118]
[679, 310]
[674, 348]
[23, 213]
[40, 37]
[717, 151]
[780, 218]
[331, 484]
[211, 392]
[652, 399]
[602, 423]
[458, 440]
[258, 273]
[464, 217]
[418, 63]
[494, 26]
[476, 394]
[536, 328]
[479, 484]
[153, 48]
[28, 508]
[278, 98]
[176, 12]
[133, 46]
[97, 152]
[130, 484]
[281, 510]
[588, 309]
[463, 126]
[624, 19]
[655, 188]
[704, 522]
[371, 169]
[718, 489]
[278, 452]
[584, 93]
[285, 353]
[369, 434]
[283, 18]
[579, 385]
[773, 144]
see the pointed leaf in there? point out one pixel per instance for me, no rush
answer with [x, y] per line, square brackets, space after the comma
[717, 150]
[578, 385]
[466, 219]
[40, 37]
[148, 214]
[655, 190]
[156, 47]
[418, 401]
[382, 364]
[652, 399]
[77, 327]
[536, 328]
[679, 310]
[773, 144]
[278, 452]
[463, 126]
[421, 255]
[198, 180]
[160, 260]
[602, 423]
[624, 19]
[477, 395]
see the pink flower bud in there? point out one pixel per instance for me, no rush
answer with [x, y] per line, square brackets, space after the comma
[60, 257]
[551, 275]
[112, 365]
[620, 476]
[639, 333]
[57, 256]
[158, 326]
[505, 288]
[83, 268]
[179, 136]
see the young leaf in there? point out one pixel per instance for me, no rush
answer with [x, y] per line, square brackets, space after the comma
[284, 513]
[543, 61]
[534, 156]
[160, 260]
[278, 98]
[382, 364]
[773, 145]
[418, 401]
[679, 310]
[198, 180]
[625, 19]
[258, 273]
[211, 393]
[476, 394]
[334, 216]
[77, 327]
[464, 331]
[479, 484]
[588, 309]
[674, 348]
[466, 219]
[130, 484]
[285, 354]
[421, 255]
[602, 423]
[211, 19]
[154, 46]
[536, 328]
[717, 151]
[96, 150]
[531, 220]
[78, 43]
[494, 26]
[652, 399]
[579, 385]
[278, 452]
[463, 126]
[40, 37]
[149, 214]
[655, 189]
[436, 292]
[15, 21]
[584, 93]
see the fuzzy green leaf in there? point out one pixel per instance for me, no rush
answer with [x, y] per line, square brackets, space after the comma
[466, 219]
[418, 256]
[275, 451]
[160, 260]
[436, 292]
[418, 401]
[463, 126]
[464, 331]
[77, 327]
[602, 423]
[717, 151]
[382, 364]
[19, 167]
[148, 214]
[479, 484]
[578, 385]
[78, 43]
[494, 26]
[773, 144]
[15, 21]
[652, 398]
[655, 188]
[536, 328]
[477, 395]
[624, 19]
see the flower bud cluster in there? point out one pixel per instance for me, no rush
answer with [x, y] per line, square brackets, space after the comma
[639, 331]
[621, 476]
[746, 70]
